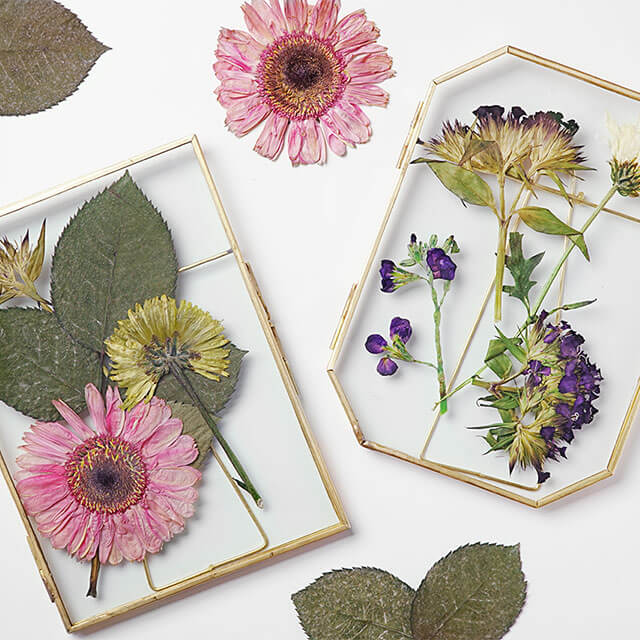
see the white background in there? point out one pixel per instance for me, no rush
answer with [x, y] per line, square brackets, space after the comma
[307, 232]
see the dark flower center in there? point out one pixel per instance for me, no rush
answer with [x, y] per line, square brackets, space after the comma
[301, 76]
[106, 475]
[160, 355]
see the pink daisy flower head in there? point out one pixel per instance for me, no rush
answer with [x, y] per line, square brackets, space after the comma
[119, 491]
[304, 74]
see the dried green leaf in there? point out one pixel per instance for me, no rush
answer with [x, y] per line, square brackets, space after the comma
[465, 184]
[520, 268]
[542, 220]
[39, 363]
[366, 603]
[194, 425]
[512, 345]
[214, 395]
[45, 53]
[474, 593]
[115, 252]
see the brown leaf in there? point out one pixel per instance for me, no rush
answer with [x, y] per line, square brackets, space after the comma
[45, 53]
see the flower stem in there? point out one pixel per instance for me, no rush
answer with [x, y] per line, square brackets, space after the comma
[93, 579]
[500, 262]
[244, 482]
[437, 318]
[569, 249]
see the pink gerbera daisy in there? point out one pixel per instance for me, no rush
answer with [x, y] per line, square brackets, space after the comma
[301, 71]
[120, 491]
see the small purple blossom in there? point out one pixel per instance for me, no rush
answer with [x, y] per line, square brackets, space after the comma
[387, 267]
[395, 349]
[441, 265]
[536, 372]
[401, 328]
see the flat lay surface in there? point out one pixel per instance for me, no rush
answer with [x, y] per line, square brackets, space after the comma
[306, 232]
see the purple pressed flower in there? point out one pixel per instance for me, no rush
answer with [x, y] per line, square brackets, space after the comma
[441, 265]
[536, 371]
[375, 343]
[413, 239]
[387, 267]
[548, 434]
[570, 344]
[543, 476]
[386, 367]
[486, 112]
[401, 328]
[394, 349]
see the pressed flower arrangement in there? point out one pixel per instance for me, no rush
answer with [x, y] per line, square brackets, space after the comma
[125, 403]
[543, 380]
[304, 73]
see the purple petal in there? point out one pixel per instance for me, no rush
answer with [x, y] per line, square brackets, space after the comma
[386, 367]
[543, 476]
[547, 433]
[401, 328]
[414, 238]
[568, 384]
[441, 265]
[386, 267]
[375, 343]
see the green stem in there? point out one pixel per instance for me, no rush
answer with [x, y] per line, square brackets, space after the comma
[569, 249]
[244, 482]
[437, 318]
[500, 262]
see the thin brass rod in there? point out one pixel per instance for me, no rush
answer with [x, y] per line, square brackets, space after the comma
[199, 263]
[96, 175]
[213, 567]
[574, 73]
[433, 466]
[474, 64]
[624, 432]
[572, 488]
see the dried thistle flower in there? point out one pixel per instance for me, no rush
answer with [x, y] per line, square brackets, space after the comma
[20, 267]
[624, 142]
[559, 387]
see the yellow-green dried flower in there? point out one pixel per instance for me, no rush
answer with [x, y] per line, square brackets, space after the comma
[159, 336]
[625, 154]
[20, 267]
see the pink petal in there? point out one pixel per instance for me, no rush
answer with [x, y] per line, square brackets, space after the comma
[106, 539]
[370, 95]
[335, 144]
[271, 140]
[245, 115]
[306, 143]
[239, 49]
[164, 436]
[324, 18]
[174, 477]
[115, 416]
[354, 32]
[183, 452]
[297, 13]
[73, 420]
[348, 122]
[95, 404]
[370, 69]
[256, 24]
